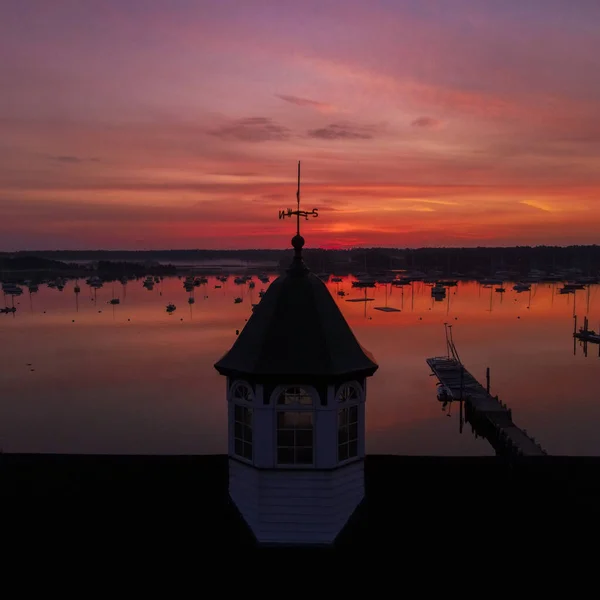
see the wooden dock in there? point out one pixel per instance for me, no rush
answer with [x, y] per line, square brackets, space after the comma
[489, 417]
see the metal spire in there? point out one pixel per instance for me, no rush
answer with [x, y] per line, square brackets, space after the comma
[298, 203]
[298, 241]
[288, 212]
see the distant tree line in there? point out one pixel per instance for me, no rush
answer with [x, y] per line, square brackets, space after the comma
[448, 261]
[36, 268]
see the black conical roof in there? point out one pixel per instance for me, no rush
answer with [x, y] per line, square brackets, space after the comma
[297, 329]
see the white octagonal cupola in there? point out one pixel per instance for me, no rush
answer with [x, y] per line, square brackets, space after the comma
[296, 391]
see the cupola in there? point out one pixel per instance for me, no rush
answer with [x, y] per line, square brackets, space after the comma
[296, 390]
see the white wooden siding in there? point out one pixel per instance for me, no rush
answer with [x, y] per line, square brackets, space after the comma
[296, 507]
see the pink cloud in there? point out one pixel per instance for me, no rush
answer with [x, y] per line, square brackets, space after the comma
[177, 120]
[305, 102]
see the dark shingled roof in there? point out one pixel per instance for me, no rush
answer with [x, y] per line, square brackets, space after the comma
[297, 329]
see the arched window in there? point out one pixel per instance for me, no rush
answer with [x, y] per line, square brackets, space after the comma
[242, 394]
[295, 426]
[348, 396]
[295, 395]
[349, 392]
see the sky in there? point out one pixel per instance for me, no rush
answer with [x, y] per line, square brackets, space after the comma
[150, 124]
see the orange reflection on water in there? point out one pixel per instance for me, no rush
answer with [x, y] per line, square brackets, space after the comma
[132, 378]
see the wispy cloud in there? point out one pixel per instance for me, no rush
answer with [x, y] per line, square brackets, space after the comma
[426, 123]
[417, 208]
[252, 129]
[72, 159]
[407, 207]
[342, 131]
[543, 206]
[441, 202]
[306, 102]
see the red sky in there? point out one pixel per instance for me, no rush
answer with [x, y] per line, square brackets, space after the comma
[178, 124]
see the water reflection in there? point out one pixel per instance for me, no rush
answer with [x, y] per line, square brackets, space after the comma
[130, 377]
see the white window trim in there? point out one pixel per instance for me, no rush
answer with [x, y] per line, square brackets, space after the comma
[242, 404]
[248, 406]
[356, 386]
[307, 388]
[238, 383]
[311, 465]
[350, 459]
[345, 405]
[312, 408]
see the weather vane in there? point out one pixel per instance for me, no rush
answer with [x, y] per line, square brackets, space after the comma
[298, 213]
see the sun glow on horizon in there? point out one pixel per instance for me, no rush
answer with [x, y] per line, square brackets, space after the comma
[477, 135]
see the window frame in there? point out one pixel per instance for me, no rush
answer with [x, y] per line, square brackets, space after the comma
[345, 406]
[304, 405]
[243, 423]
[296, 407]
[349, 384]
[244, 404]
[239, 384]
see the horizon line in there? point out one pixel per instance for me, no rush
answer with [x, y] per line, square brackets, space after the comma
[258, 249]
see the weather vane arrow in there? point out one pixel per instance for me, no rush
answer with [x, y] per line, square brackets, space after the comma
[288, 212]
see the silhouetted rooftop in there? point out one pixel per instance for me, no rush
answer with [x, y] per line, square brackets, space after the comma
[167, 505]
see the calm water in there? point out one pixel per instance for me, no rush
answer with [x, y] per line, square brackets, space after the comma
[80, 375]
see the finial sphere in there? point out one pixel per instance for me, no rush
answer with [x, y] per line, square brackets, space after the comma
[297, 242]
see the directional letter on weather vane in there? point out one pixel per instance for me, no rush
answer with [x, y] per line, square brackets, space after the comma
[288, 212]
[298, 213]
